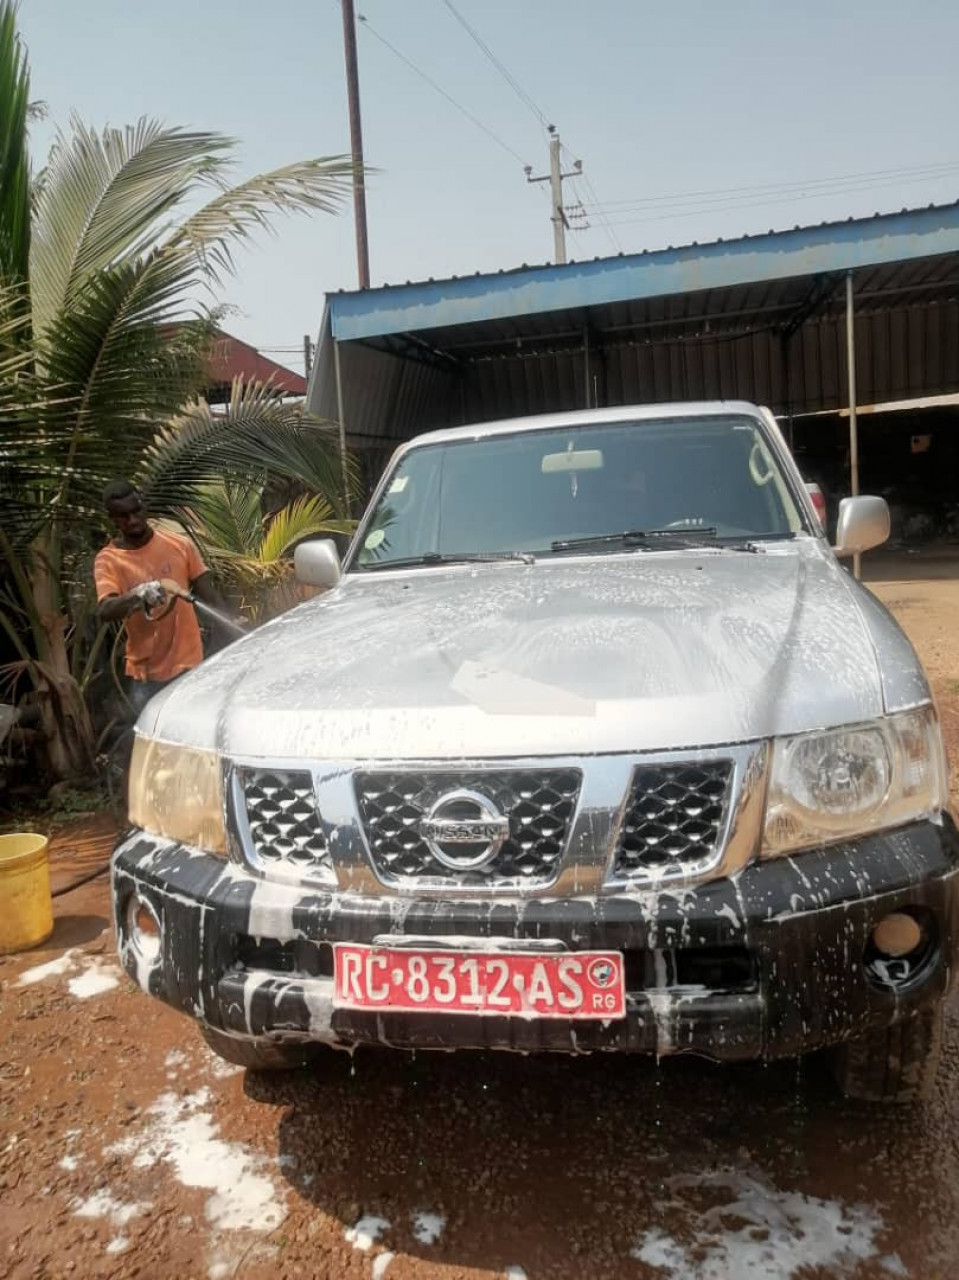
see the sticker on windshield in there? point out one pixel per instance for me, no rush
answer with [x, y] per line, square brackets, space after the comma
[399, 484]
[374, 539]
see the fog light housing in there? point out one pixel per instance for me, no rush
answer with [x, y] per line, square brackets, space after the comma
[142, 928]
[897, 934]
[901, 949]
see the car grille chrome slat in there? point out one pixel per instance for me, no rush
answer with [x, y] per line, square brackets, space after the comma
[674, 819]
[538, 804]
[282, 818]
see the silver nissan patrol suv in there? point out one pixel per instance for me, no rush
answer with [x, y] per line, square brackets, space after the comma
[589, 744]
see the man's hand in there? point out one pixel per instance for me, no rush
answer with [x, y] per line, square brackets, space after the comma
[150, 594]
[145, 596]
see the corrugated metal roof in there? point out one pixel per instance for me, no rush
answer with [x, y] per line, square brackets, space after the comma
[883, 240]
[760, 318]
[231, 358]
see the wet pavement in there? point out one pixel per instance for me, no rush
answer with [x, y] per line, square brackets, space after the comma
[126, 1149]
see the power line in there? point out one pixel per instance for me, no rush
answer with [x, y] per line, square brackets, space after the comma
[607, 225]
[786, 198]
[438, 88]
[600, 212]
[673, 203]
[540, 115]
[488, 52]
[678, 198]
[597, 208]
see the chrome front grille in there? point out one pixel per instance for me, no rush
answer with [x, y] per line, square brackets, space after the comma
[674, 819]
[538, 805]
[566, 826]
[282, 818]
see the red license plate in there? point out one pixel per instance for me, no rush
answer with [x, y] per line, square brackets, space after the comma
[520, 984]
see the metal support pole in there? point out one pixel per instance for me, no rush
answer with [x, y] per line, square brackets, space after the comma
[342, 421]
[787, 402]
[586, 363]
[853, 426]
[356, 144]
[556, 192]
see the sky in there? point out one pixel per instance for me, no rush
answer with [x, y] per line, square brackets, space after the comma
[780, 112]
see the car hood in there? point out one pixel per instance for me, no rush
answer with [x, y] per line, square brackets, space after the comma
[622, 653]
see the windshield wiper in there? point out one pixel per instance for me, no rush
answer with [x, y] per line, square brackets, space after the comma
[669, 538]
[637, 538]
[436, 557]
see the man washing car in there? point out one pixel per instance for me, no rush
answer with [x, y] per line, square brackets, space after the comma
[162, 633]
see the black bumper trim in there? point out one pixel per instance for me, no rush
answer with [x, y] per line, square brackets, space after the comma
[805, 922]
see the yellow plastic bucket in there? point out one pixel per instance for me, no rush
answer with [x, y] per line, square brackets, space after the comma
[26, 908]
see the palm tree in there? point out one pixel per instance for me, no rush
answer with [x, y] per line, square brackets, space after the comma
[102, 349]
[250, 552]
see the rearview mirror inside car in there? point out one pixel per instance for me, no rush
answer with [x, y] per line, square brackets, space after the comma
[572, 460]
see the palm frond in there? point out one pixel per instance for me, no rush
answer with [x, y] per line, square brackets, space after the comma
[233, 216]
[16, 357]
[227, 520]
[103, 348]
[258, 433]
[126, 351]
[14, 161]
[106, 387]
[105, 198]
[250, 556]
[119, 339]
[306, 517]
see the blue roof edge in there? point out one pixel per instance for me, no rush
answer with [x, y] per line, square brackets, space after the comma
[832, 246]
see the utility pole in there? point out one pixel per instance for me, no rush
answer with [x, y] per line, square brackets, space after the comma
[307, 356]
[356, 144]
[555, 179]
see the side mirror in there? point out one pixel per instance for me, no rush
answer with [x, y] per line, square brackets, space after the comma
[863, 524]
[317, 563]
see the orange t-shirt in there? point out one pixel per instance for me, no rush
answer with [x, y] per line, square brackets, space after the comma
[163, 649]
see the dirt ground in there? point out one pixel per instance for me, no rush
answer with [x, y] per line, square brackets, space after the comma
[127, 1149]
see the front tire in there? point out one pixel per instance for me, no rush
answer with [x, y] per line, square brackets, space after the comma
[896, 1064]
[257, 1055]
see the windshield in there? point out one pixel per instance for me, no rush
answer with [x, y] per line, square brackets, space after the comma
[532, 492]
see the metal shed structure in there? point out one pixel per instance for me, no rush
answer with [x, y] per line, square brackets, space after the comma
[761, 318]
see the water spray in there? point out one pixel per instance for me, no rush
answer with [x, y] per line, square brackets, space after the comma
[174, 589]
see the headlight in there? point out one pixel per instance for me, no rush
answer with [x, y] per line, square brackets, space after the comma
[177, 792]
[827, 786]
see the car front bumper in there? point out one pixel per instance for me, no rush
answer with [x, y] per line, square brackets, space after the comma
[767, 964]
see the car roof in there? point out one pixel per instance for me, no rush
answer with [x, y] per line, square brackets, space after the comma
[586, 418]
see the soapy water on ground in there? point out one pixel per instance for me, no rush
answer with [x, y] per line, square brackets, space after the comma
[381, 1263]
[94, 981]
[370, 1228]
[428, 1227]
[51, 969]
[175, 1059]
[103, 1204]
[180, 1132]
[366, 1232]
[739, 1224]
[97, 975]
